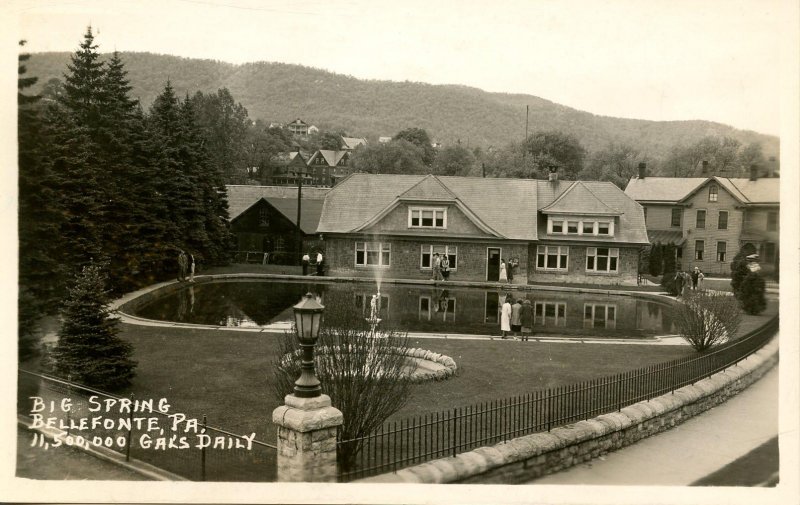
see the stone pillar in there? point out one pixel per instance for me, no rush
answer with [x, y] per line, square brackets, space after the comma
[307, 439]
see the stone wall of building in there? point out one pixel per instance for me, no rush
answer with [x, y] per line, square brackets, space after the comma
[576, 272]
[406, 258]
[526, 458]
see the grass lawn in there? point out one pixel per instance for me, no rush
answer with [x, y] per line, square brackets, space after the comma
[227, 375]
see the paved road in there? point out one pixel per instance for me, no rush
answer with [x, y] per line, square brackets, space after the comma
[692, 450]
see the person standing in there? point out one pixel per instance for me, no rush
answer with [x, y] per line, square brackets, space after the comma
[435, 267]
[526, 318]
[516, 312]
[695, 277]
[510, 272]
[503, 273]
[700, 277]
[306, 260]
[320, 271]
[191, 267]
[505, 317]
[182, 265]
[444, 267]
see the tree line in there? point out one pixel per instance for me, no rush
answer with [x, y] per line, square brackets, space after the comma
[104, 182]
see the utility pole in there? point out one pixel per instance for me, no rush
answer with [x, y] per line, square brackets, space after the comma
[299, 239]
[525, 148]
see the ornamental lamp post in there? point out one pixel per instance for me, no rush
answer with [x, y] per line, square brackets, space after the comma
[307, 319]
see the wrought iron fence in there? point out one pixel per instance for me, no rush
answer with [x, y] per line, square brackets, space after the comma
[415, 440]
[172, 441]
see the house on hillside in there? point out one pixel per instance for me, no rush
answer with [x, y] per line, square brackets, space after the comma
[327, 167]
[384, 140]
[264, 220]
[298, 127]
[285, 168]
[555, 231]
[351, 143]
[710, 219]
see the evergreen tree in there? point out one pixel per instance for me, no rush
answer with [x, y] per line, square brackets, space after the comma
[739, 270]
[751, 293]
[670, 261]
[654, 266]
[89, 350]
[84, 86]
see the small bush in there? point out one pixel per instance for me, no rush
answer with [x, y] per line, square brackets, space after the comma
[739, 270]
[668, 256]
[751, 293]
[672, 283]
[708, 319]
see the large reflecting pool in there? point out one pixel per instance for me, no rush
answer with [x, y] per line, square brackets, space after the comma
[414, 309]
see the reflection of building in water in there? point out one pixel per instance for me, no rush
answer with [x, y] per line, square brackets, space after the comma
[364, 303]
[550, 314]
[441, 308]
[598, 315]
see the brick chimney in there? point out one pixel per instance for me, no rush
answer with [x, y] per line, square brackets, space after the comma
[753, 172]
[642, 170]
[553, 175]
[704, 170]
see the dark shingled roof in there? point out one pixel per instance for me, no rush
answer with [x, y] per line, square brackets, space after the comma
[242, 197]
[665, 237]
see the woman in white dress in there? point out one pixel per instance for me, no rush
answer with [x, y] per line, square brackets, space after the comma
[505, 317]
[503, 273]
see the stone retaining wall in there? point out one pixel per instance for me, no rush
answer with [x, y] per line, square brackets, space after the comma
[532, 456]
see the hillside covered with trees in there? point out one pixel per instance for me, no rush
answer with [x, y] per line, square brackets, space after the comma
[276, 92]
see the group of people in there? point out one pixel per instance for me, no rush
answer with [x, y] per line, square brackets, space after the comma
[440, 266]
[693, 281]
[306, 261]
[516, 317]
[507, 270]
[185, 266]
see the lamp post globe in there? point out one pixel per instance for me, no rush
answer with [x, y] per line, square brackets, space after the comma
[307, 318]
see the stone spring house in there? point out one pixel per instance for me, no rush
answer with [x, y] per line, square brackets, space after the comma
[711, 218]
[558, 231]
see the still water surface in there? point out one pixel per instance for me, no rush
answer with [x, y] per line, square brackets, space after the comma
[414, 309]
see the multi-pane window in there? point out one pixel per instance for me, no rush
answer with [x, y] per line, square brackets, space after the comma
[263, 216]
[701, 218]
[427, 252]
[722, 224]
[722, 249]
[713, 193]
[699, 249]
[580, 227]
[599, 316]
[377, 254]
[676, 217]
[419, 217]
[550, 314]
[602, 259]
[550, 257]
[603, 228]
[572, 227]
[588, 227]
[769, 251]
[772, 221]
[558, 226]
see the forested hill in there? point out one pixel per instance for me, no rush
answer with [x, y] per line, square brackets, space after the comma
[277, 92]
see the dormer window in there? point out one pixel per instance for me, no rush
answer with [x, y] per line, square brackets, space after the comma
[580, 227]
[427, 217]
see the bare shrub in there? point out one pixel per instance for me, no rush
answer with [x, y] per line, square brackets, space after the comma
[367, 376]
[708, 319]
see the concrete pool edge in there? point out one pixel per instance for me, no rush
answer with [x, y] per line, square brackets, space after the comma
[124, 305]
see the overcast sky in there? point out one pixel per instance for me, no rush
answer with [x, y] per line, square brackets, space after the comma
[661, 60]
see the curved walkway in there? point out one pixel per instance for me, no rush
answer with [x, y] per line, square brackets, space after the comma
[692, 450]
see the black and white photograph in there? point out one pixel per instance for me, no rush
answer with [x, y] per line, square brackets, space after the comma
[353, 251]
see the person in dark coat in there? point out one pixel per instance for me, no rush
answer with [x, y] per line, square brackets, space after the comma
[526, 318]
[183, 264]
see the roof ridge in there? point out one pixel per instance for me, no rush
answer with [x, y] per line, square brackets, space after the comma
[562, 195]
[747, 199]
[597, 197]
[425, 178]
